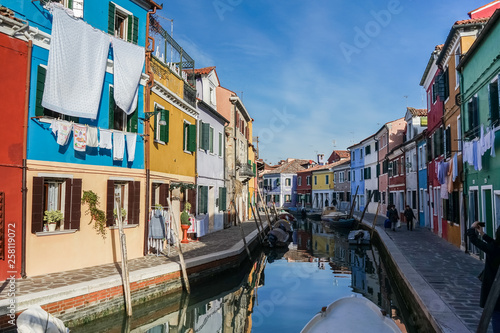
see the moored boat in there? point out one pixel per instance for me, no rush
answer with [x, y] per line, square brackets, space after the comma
[351, 314]
[345, 222]
[280, 235]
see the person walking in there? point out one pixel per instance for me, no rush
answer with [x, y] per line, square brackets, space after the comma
[409, 216]
[393, 217]
[491, 247]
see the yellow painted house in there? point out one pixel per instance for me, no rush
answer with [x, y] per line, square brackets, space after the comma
[252, 183]
[322, 186]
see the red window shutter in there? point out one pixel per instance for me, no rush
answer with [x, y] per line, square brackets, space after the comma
[37, 205]
[164, 194]
[67, 204]
[76, 204]
[137, 201]
[153, 190]
[110, 197]
[192, 200]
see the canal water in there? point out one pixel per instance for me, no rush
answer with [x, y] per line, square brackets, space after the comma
[279, 292]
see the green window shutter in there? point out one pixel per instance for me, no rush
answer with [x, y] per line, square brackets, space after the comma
[205, 200]
[70, 4]
[253, 168]
[211, 136]
[223, 203]
[200, 204]
[40, 85]
[111, 18]
[130, 28]
[205, 140]
[111, 108]
[200, 134]
[155, 123]
[191, 143]
[133, 121]
[136, 30]
[220, 144]
[378, 169]
[164, 115]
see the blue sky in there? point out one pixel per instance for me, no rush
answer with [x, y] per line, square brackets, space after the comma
[316, 75]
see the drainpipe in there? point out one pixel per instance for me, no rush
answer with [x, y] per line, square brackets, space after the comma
[148, 87]
[25, 139]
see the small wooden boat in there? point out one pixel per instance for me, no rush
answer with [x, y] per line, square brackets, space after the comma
[359, 237]
[351, 314]
[280, 235]
[287, 216]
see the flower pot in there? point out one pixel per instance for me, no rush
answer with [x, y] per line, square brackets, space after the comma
[52, 226]
[184, 228]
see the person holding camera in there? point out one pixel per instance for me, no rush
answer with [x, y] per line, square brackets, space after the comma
[491, 247]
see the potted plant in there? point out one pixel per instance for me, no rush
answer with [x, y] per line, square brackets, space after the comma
[185, 223]
[124, 213]
[52, 217]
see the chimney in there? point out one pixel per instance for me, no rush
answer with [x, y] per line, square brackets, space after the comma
[320, 159]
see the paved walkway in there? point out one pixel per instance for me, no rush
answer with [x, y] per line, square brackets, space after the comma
[215, 242]
[450, 288]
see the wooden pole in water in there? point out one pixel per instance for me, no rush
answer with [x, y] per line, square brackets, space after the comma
[123, 243]
[265, 208]
[256, 223]
[179, 246]
[353, 202]
[260, 219]
[489, 307]
[366, 206]
[241, 229]
[375, 220]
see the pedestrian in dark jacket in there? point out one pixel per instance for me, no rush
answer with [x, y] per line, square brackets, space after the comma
[491, 247]
[393, 217]
[409, 216]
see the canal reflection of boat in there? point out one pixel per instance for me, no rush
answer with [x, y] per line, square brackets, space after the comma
[342, 222]
[358, 237]
[351, 314]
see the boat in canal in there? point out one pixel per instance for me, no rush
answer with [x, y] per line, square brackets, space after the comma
[358, 237]
[280, 235]
[342, 222]
[351, 314]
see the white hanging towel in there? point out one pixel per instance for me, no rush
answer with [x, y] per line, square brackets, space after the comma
[118, 146]
[63, 131]
[80, 137]
[105, 140]
[92, 140]
[128, 64]
[76, 67]
[131, 141]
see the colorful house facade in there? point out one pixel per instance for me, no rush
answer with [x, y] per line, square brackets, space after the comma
[357, 176]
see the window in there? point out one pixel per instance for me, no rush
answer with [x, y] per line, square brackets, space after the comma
[376, 145]
[220, 143]
[204, 136]
[189, 140]
[62, 194]
[447, 138]
[40, 111]
[445, 82]
[161, 131]
[288, 181]
[129, 192]
[473, 117]
[368, 150]
[353, 155]
[341, 176]
[353, 175]
[315, 180]
[212, 96]
[361, 153]
[288, 198]
[122, 24]
[434, 90]
[299, 180]
[493, 98]
[361, 171]
[75, 5]
[118, 119]
[414, 199]
[159, 194]
[308, 179]
[367, 172]
[203, 199]
[457, 61]
[327, 179]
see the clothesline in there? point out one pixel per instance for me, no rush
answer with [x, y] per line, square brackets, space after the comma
[99, 128]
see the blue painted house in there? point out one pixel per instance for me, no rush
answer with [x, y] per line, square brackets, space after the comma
[423, 193]
[358, 175]
[63, 157]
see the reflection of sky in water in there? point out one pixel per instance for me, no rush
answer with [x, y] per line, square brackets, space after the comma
[293, 293]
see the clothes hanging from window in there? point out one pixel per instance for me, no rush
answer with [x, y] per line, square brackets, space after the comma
[92, 140]
[478, 161]
[455, 167]
[128, 63]
[492, 142]
[131, 143]
[442, 171]
[63, 129]
[444, 190]
[76, 67]
[118, 146]
[449, 176]
[157, 225]
[79, 137]
[105, 139]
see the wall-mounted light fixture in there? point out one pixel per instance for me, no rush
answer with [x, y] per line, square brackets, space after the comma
[148, 115]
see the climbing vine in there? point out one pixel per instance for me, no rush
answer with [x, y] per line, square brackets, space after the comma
[97, 216]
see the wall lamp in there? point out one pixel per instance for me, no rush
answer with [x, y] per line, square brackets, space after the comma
[148, 115]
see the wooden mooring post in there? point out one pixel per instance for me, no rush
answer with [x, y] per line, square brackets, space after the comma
[241, 229]
[179, 246]
[353, 202]
[123, 247]
[366, 207]
[265, 208]
[374, 220]
[257, 224]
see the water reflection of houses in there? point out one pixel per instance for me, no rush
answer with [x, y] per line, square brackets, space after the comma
[333, 246]
[364, 278]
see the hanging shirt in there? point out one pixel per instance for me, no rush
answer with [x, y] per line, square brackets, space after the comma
[131, 143]
[105, 139]
[118, 146]
[92, 140]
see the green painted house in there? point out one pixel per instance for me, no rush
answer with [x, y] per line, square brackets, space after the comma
[480, 113]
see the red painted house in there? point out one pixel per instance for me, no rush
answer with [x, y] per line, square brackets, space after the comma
[15, 53]
[397, 179]
[304, 187]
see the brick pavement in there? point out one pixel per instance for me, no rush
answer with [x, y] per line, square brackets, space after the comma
[449, 271]
[209, 244]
